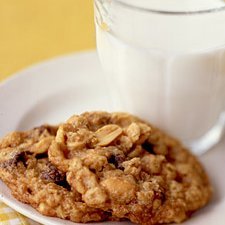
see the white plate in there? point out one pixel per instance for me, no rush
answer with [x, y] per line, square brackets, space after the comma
[53, 91]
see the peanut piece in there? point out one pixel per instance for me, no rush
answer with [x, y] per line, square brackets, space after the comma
[108, 134]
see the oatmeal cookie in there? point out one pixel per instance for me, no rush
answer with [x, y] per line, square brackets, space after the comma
[25, 168]
[121, 165]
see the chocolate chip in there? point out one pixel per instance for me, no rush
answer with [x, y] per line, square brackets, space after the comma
[52, 174]
[40, 129]
[117, 160]
[65, 184]
[41, 156]
[148, 147]
[20, 157]
[29, 190]
[159, 195]
[51, 129]
[112, 160]
[16, 158]
[179, 178]
[108, 214]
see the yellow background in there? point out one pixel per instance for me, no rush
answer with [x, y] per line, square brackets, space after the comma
[35, 30]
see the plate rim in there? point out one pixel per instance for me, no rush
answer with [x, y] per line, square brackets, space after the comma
[21, 72]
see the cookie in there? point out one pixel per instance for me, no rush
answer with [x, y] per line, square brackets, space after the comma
[127, 168]
[34, 180]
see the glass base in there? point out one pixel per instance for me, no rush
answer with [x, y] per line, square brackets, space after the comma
[210, 139]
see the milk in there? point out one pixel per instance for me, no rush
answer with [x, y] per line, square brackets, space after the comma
[176, 5]
[168, 69]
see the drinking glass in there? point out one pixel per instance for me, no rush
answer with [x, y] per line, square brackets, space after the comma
[165, 62]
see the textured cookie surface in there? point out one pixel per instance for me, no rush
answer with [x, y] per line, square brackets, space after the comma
[25, 168]
[119, 164]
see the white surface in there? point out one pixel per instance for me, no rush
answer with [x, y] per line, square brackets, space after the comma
[51, 92]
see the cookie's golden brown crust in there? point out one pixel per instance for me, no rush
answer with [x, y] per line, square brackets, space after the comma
[100, 166]
[121, 165]
[25, 168]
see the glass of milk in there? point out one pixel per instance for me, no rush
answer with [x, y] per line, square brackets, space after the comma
[165, 62]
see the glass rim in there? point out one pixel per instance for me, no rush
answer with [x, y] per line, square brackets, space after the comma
[165, 12]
